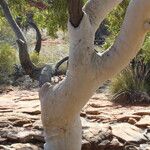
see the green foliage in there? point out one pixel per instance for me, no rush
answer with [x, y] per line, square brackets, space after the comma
[6, 33]
[146, 49]
[123, 81]
[108, 42]
[116, 17]
[34, 57]
[7, 61]
[127, 88]
[133, 78]
[132, 84]
[53, 18]
[38, 60]
[50, 54]
[130, 79]
[114, 21]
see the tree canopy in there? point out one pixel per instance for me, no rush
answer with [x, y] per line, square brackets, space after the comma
[48, 14]
[52, 15]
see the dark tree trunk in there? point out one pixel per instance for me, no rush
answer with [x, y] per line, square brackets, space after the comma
[32, 24]
[75, 11]
[25, 61]
[57, 71]
[38, 37]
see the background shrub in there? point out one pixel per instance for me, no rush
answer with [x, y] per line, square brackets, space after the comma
[7, 60]
[123, 81]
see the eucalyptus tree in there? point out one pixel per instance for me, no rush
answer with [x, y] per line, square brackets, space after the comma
[61, 103]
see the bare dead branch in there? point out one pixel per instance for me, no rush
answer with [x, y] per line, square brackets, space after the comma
[40, 5]
[59, 64]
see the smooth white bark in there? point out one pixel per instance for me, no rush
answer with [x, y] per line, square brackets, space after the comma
[61, 104]
[127, 44]
[97, 10]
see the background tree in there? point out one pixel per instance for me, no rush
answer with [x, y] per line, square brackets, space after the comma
[38, 8]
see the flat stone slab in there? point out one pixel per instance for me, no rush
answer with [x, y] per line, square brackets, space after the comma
[143, 112]
[20, 146]
[144, 147]
[22, 135]
[144, 121]
[128, 132]
[127, 117]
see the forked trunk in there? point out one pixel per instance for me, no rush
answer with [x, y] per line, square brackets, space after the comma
[61, 104]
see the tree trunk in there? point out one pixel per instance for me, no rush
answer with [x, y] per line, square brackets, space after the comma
[33, 71]
[61, 104]
[38, 38]
[32, 24]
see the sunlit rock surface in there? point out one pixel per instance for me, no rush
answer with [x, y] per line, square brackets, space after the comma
[105, 126]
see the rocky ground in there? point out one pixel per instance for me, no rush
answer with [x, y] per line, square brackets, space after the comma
[106, 126]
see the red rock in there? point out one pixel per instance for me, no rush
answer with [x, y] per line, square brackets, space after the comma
[126, 117]
[93, 111]
[31, 111]
[128, 132]
[144, 121]
[20, 123]
[132, 121]
[143, 112]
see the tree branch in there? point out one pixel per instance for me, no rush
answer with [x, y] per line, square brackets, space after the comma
[30, 69]
[127, 44]
[97, 10]
[75, 12]
[31, 23]
[57, 72]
